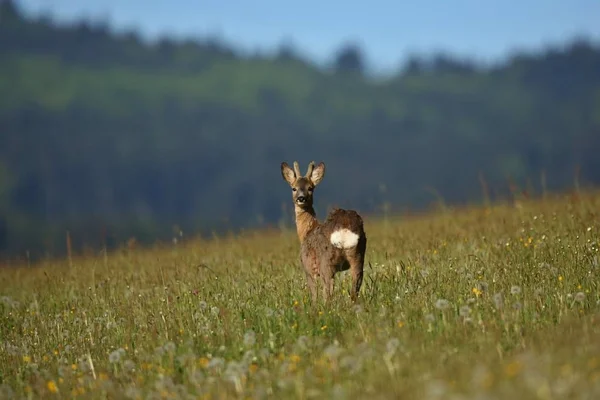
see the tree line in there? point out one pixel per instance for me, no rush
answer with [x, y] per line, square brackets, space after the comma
[109, 137]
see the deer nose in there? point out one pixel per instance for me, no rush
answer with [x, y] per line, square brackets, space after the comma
[301, 199]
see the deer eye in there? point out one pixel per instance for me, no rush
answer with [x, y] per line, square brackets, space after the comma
[293, 189]
[310, 189]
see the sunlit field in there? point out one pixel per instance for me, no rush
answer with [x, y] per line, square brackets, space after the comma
[488, 303]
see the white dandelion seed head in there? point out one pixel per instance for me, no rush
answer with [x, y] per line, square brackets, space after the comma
[249, 338]
[114, 357]
[515, 289]
[392, 345]
[442, 304]
[498, 300]
[465, 311]
[580, 297]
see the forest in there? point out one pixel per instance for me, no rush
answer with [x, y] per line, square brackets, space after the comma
[108, 136]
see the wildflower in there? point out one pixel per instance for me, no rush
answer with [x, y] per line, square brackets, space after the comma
[560, 278]
[169, 347]
[26, 359]
[515, 290]
[324, 327]
[392, 345]
[51, 385]
[400, 324]
[203, 362]
[442, 304]
[465, 311]
[249, 338]
[215, 311]
[498, 300]
[114, 357]
[429, 318]
[517, 306]
[202, 305]
[476, 291]
[513, 368]
[580, 297]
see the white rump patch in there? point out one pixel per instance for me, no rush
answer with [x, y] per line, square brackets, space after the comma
[344, 239]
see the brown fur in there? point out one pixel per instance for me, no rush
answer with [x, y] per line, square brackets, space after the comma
[319, 257]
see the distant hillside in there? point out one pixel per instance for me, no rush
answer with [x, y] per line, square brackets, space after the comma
[110, 137]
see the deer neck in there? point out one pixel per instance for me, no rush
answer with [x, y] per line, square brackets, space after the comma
[306, 221]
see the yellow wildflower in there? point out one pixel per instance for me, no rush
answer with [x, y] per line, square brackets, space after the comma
[51, 385]
[476, 291]
[513, 368]
[26, 359]
[203, 362]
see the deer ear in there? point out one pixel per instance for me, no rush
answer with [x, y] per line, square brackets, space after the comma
[288, 174]
[317, 173]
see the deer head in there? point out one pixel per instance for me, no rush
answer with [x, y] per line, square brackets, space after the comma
[303, 186]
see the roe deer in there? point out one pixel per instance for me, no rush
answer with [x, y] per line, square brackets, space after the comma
[338, 244]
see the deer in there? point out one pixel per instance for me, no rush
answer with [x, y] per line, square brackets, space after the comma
[338, 244]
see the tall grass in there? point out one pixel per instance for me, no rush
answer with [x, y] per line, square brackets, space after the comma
[495, 302]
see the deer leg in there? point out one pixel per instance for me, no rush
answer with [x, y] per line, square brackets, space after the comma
[357, 261]
[328, 286]
[312, 285]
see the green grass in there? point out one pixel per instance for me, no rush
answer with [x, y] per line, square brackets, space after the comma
[490, 303]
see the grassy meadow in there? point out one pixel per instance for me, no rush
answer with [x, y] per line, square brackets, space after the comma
[489, 303]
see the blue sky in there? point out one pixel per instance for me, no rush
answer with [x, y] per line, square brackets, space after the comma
[387, 30]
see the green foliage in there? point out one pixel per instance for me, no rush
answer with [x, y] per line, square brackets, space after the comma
[105, 135]
[496, 302]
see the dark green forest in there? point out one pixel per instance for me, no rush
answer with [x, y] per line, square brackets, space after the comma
[109, 136]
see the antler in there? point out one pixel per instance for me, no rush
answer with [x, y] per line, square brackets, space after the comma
[311, 166]
[297, 169]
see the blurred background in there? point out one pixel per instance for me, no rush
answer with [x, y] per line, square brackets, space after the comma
[151, 120]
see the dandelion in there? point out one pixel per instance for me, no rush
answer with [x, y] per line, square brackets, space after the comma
[483, 286]
[249, 338]
[515, 290]
[202, 305]
[51, 385]
[392, 345]
[476, 291]
[215, 311]
[429, 318]
[114, 357]
[129, 365]
[465, 311]
[513, 368]
[26, 359]
[442, 304]
[216, 362]
[517, 306]
[580, 297]
[169, 347]
[324, 327]
[203, 362]
[498, 300]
